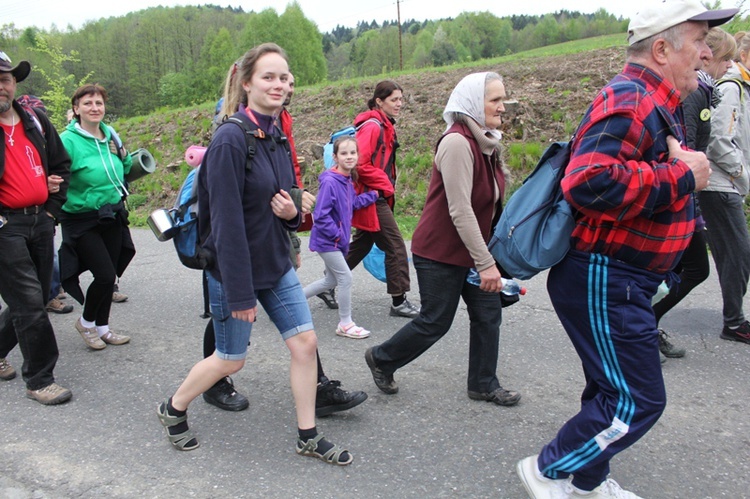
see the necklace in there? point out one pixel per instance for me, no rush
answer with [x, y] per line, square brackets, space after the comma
[12, 131]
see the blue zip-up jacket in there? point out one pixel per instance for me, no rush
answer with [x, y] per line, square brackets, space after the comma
[334, 206]
[249, 243]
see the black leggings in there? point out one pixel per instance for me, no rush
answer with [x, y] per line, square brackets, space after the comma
[98, 250]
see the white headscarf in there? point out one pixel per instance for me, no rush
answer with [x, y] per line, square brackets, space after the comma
[468, 98]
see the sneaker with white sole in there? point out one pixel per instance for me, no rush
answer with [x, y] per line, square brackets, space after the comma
[50, 395]
[609, 489]
[537, 485]
[406, 309]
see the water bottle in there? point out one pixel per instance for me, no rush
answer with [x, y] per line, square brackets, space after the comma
[510, 287]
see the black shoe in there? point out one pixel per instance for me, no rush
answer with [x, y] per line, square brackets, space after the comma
[224, 396]
[499, 396]
[329, 297]
[667, 348]
[384, 382]
[331, 398]
[742, 333]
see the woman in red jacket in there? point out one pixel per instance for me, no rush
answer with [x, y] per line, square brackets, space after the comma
[376, 224]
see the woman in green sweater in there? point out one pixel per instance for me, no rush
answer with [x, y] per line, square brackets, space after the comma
[94, 219]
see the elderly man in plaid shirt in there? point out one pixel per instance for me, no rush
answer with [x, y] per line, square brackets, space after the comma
[633, 182]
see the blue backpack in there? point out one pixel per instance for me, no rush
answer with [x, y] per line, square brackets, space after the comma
[351, 132]
[534, 229]
[186, 237]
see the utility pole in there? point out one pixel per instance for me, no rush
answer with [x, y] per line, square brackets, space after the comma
[400, 50]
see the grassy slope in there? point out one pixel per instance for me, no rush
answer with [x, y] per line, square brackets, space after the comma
[553, 85]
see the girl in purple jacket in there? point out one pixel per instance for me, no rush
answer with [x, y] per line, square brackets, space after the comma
[330, 235]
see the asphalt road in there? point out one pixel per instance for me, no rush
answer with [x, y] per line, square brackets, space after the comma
[429, 440]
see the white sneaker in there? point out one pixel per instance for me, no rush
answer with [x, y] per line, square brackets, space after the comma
[609, 489]
[537, 485]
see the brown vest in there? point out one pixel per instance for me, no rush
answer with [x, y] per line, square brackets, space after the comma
[436, 237]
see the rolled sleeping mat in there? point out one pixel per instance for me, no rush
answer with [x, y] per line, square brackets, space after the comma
[194, 155]
[143, 164]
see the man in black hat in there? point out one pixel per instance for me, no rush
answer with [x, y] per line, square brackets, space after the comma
[30, 151]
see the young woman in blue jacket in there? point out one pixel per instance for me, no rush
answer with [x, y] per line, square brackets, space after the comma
[245, 212]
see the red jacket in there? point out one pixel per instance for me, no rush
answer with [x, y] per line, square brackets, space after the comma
[376, 170]
[286, 126]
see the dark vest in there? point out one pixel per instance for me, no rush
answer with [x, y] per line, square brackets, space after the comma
[436, 237]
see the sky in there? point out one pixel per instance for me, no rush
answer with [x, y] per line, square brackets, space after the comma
[327, 14]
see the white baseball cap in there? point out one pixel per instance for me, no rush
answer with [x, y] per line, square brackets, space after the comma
[662, 15]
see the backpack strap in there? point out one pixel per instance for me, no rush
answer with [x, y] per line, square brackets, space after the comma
[251, 133]
[31, 112]
[740, 83]
[380, 143]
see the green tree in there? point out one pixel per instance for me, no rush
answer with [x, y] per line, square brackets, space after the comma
[61, 83]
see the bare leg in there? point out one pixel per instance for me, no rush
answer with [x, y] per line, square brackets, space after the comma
[303, 375]
[203, 376]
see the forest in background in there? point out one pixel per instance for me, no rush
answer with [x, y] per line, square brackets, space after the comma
[178, 56]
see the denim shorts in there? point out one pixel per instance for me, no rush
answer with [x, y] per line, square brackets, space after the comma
[285, 305]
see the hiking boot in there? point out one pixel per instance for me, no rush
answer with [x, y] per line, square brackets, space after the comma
[608, 489]
[330, 398]
[50, 395]
[90, 336]
[384, 382]
[6, 370]
[499, 396]
[58, 307]
[118, 297]
[406, 309]
[224, 396]
[538, 485]
[329, 297]
[112, 338]
[667, 348]
[742, 333]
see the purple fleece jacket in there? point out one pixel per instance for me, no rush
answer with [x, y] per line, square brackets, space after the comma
[334, 206]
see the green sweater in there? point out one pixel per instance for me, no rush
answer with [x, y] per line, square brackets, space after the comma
[96, 174]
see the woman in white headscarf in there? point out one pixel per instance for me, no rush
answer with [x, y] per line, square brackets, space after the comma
[463, 203]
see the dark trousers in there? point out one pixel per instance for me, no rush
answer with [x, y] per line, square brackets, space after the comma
[440, 288]
[26, 255]
[692, 270]
[99, 250]
[730, 248]
[605, 307]
[388, 239]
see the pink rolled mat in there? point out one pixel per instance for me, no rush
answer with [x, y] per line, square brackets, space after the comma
[194, 155]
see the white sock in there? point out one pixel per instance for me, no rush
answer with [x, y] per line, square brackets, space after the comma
[87, 324]
[102, 330]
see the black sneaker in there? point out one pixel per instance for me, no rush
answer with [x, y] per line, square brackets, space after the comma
[224, 396]
[384, 382]
[406, 309]
[329, 297]
[742, 333]
[667, 348]
[331, 398]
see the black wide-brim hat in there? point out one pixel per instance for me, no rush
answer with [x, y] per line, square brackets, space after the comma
[20, 71]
